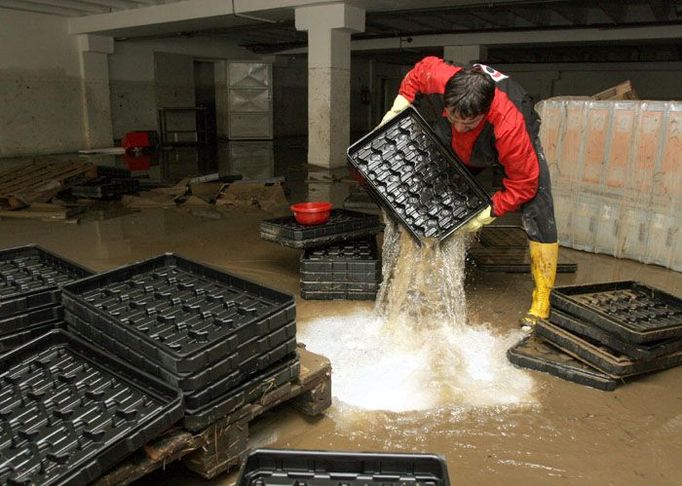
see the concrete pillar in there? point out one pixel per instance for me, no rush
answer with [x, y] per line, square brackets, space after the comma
[97, 128]
[329, 28]
[465, 54]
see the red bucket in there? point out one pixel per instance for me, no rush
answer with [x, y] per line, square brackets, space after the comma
[312, 213]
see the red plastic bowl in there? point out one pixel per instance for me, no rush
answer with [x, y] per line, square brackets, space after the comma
[312, 213]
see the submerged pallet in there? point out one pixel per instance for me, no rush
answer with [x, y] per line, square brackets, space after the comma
[40, 181]
[223, 444]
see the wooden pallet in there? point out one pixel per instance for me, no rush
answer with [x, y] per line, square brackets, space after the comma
[45, 212]
[223, 445]
[41, 181]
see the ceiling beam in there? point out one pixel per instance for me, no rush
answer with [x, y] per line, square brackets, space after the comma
[533, 16]
[498, 18]
[462, 19]
[73, 5]
[615, 10]
[113, 4]
[661, 9]
[576, 15]
[372, 26]
[38, 8]
[540, 36]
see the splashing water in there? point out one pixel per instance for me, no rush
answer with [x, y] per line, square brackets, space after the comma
[416, 351]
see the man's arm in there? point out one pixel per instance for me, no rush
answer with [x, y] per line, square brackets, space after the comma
[428, 76]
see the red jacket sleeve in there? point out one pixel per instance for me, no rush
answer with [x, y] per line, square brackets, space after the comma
[517, 155]
[428, 76]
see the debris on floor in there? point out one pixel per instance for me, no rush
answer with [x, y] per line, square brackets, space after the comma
[59, 191]
[268, 196]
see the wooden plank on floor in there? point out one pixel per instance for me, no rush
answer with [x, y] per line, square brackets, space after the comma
[224, 443]
[39, 182]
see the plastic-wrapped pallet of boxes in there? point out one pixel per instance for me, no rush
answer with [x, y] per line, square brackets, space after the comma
[616, 171]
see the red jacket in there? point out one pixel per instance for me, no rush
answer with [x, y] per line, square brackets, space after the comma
[506, 134]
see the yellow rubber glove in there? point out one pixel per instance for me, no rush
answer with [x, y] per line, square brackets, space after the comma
[399, 104]
[481, 219]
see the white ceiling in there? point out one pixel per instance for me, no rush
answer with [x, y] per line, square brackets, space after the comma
[78, 8]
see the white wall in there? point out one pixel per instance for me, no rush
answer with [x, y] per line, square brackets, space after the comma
[132, 75]
[40, 85]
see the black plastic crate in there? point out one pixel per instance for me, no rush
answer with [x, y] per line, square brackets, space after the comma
[22, 328]
[351, 287]
[248, 370]
[512, 260]
[357, 257]
[278, 375]
[633, 311]
[32, 318]
[337, 295]
[534, 354]
[69, 411]
[106, 188]
[13, 340]
[249, 358]
[601, 357]
[277, 467]
[643, 351]
[343, 225]
[113, 172]
[182, 315]
[373, 277]
[31, 277]
[417, 178]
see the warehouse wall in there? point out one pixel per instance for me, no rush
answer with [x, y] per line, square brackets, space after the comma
[40, 85]
[651, 80]
[133, 81]
[290, 95]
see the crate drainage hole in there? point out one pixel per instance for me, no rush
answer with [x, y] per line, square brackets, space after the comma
[416, 350]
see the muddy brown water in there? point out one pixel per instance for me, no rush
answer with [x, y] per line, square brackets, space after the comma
[569, 434]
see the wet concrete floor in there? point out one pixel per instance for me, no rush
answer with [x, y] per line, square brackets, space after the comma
[570, 434]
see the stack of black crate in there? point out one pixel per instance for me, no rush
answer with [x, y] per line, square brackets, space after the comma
[340, 259]
[70, 410]
[343, 271]
[30, 287]
[221, 340]
[602, 334]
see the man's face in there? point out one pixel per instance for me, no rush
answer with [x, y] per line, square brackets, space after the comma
[463, 124]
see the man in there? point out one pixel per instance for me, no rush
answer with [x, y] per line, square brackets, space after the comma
[487, 119]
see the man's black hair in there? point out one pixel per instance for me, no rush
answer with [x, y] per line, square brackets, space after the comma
[469, 92]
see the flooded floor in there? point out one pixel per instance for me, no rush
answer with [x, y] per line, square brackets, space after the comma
[536, 430]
